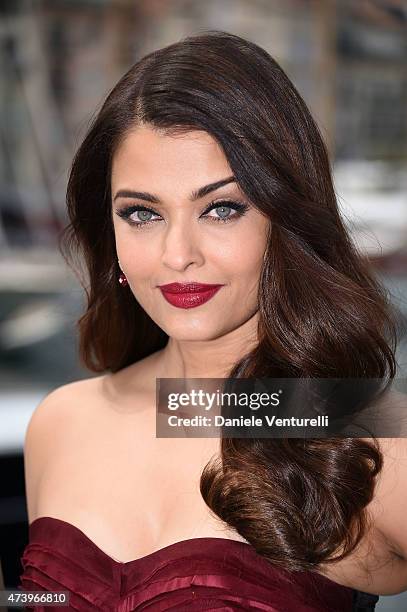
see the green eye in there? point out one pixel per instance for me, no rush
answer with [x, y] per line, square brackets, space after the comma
[223, 211]
[222, 208]
[143, 215]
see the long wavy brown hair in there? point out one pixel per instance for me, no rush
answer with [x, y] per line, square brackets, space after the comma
[299, 502]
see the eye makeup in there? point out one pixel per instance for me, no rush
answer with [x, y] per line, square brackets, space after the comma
[239, 207]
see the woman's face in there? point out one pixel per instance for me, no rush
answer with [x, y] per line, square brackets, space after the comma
[179, 238]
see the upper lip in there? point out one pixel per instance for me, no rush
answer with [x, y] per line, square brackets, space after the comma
[187, 287]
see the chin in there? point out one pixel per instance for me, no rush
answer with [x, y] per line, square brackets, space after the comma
[186, 333]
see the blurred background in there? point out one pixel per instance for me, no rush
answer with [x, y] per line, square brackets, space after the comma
[58, 61]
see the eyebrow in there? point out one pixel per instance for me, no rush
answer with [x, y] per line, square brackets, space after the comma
[195, 195]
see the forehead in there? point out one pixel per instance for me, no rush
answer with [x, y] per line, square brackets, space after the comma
[156, 158]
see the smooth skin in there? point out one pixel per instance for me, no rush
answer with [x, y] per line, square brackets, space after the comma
[183, 244]
[91, 455]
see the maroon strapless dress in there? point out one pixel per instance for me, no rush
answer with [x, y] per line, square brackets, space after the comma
[206, 573]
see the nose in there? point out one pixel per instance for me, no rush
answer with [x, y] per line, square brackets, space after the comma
[181, 246]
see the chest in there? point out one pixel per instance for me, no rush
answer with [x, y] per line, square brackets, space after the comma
[132, 494]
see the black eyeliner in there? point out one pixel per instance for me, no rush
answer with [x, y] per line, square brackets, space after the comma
[237, 206]
[126, 211]
[239, 209]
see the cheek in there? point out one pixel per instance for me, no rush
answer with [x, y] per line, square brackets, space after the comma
[238, 255]
[243, 255]
[136, 260]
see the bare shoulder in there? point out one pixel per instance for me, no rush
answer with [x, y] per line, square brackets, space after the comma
[56, 414]
[76, 402]
[59, 406]
[379, 563]
[387, 508]
[59, 426]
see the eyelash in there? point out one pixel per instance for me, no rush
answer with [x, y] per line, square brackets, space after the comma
[239, 207]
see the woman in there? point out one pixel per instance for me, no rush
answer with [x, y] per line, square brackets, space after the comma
[205, 166]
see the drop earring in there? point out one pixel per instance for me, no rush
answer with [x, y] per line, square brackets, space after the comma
[123, 280]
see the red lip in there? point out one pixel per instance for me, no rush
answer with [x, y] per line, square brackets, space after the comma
[188, 295]
[187, 287]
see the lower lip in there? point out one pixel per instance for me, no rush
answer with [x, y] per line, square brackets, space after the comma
[189, 299]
